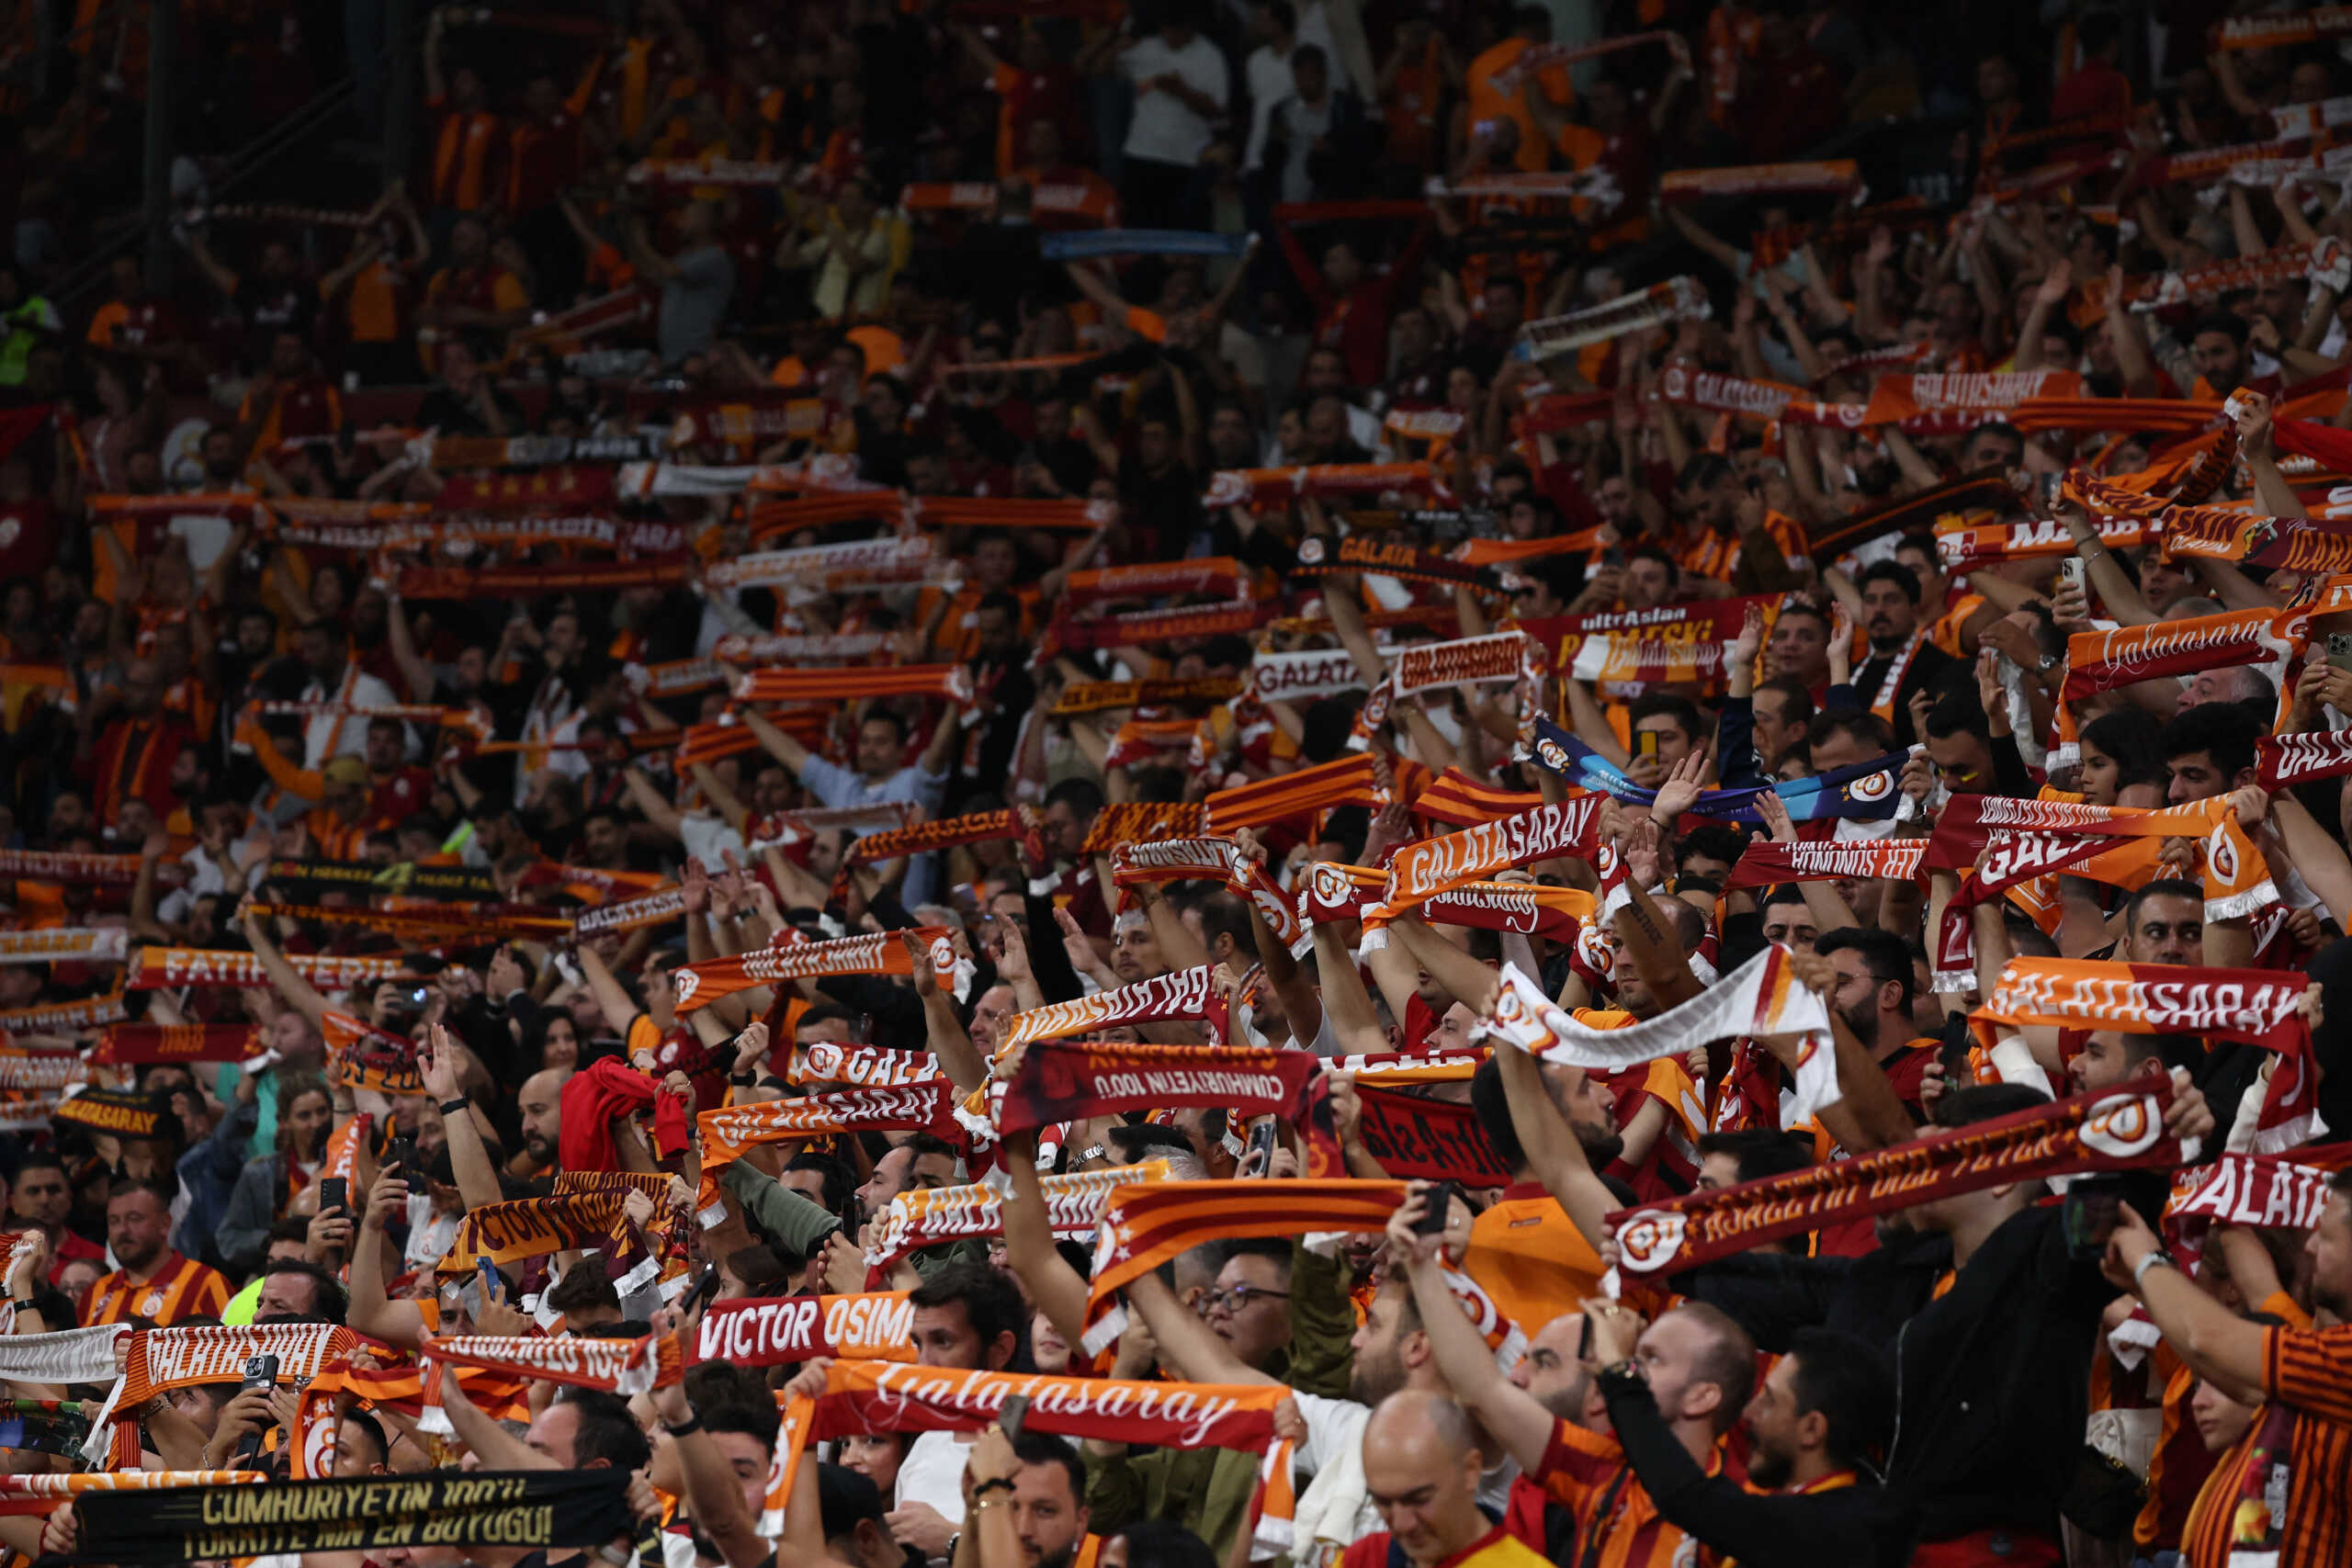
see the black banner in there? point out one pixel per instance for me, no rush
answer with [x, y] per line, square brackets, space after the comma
[449, 883]
[1433, 1140]
[515, 1509]
[119, 1111]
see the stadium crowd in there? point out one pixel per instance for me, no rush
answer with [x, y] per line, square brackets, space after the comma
[989, 785]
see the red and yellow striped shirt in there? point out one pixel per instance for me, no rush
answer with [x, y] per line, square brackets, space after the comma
[1617, 1524]
[1716, 555]
[178, 1289]
[2309, 1370]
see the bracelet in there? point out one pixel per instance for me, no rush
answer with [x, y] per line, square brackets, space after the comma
[994, 1483]
[980, 1504]
[2140, 1269]
[685, 1429]
[746, 1079]
[452, 1107]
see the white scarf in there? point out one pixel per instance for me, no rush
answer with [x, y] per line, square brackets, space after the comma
[1334, 1510]
[69, 1354]
[1761, 997]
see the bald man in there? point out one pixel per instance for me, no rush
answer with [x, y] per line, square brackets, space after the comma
[541, 1102]
[1421, 1471]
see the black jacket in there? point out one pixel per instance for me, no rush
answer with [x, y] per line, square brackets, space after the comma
[1771, 1294]
[1860, 1526]
[1992, 1384]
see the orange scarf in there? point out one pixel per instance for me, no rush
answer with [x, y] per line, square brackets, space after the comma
[1146, 1225]
[881, 953]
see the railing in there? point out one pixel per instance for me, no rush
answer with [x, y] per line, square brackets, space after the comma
[124, 233]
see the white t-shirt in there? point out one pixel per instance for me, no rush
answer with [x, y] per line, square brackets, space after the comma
[342, 735]
[1269, 84]
[933, 1472]
[1302, 125]
[1165, 129]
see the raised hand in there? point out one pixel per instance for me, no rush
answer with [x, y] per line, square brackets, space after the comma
[1012, 952]
[1083, 956]
[1750, 641]
[1682, 788]
[2055, 284]
[436, 1063]
[751, 1046]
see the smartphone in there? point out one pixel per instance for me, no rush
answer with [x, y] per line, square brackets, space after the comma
[1584, 1337]
[488, 1273]
[1015, 1411]
[1646, 742]
[2339, 649]
[2091, 1207]
[335, 1192]
[1440, 1209]
[261, 1371]
[403, 1155]
[705, 1291]
[1262, 1138]
[2073, 571]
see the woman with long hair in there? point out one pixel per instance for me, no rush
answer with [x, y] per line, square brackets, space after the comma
[2122, 764]
[267, 1184]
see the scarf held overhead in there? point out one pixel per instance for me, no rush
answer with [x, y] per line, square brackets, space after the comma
[1763, 996]
[2266, 1008]
[935, 1216]
[881, 953]
[2122, 1129]
[1143, 1226]
[1061, 1081]
[1184, 995]
[871, 1325]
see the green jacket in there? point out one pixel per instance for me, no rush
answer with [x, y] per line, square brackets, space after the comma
[1208, 1490]
[796, 1222]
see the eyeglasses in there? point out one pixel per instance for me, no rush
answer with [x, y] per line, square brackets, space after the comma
[1234, 1300]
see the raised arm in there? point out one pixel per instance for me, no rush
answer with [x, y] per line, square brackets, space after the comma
[1054, 1287]
[373, 1313]
[949, 1042]
[298, 993]
[782, 747]
[611, 996]
[1193, 1350]
[1469, 981]
[2048, 295]
[1726, 255]
[415, 673]
[2131, 356]
[1288, 977]
[1522, 1426]
[1345, 1001]
[469, 1159]
[2270, 487]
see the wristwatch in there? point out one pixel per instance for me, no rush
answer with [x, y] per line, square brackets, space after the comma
[2048, 662]
[2140, 1269]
